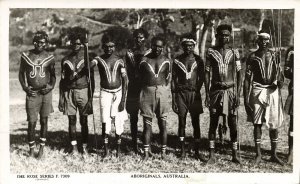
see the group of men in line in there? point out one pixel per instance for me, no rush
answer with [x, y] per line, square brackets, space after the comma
[141, 82]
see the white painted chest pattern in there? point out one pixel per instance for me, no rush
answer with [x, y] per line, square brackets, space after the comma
[262, 68]
[42, 64]
[221, 62]
[159, 69]
[111, 76]
[184, 69]
[75, 68]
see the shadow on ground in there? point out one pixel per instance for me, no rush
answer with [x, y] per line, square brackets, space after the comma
[59, 140]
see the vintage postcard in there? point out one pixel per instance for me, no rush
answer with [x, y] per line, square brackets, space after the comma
[149, 91]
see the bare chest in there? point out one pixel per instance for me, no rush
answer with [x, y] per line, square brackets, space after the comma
[109, 68]
[75, 62]
[186, 66]
[155, 67]
[221, 56]
[37, 64]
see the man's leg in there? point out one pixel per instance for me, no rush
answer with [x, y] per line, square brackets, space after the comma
[72, 133]
[181, 133]
[290, 139]
[31, 137]
[274, 141]
[44, 128]
[197, 135]
[105, 138]
[118, 137]
[257, 140]
[212, 137]
[147, 136]
[233, 136]
[134, 130]
[84, 132]
[162, 124]
[222, 130]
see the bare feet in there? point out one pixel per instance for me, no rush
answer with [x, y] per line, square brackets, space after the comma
[257, 159]
[146, 156]
[274, 158]
[74, 150]
[236, 160]
[41, 152]
[31, 152]
[163, 155]
[211, 160]
[290, 159]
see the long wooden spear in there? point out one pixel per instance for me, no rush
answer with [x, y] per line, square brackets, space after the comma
[90, 87]
[235, 90]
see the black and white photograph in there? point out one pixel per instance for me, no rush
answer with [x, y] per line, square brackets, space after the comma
[152, 94]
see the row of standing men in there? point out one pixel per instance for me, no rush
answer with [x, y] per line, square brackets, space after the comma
[142, 82]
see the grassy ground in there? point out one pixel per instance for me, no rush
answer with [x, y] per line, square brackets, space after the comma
[58, 160]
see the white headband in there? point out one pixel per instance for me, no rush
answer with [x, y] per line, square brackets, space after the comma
[264, 35]
[188, 40]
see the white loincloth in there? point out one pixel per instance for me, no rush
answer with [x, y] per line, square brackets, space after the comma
[267, 106]
[109, 103]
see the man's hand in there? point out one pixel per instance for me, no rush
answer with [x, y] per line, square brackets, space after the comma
[174, 104]
[207, 101]
[121, 106]
[279, 84]
[248, 109]
[74, 76]
[237, 102]
[276, 84]
[46, 90]
[175, 107]
[29, 91]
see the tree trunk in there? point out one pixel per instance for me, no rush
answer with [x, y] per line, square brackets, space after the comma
[203, 41]
[262, 18]
[198, 28]
[213, 33]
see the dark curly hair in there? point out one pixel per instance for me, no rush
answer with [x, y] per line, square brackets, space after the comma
[140, 31]
[107, 37]
[76, 33]
[158, 38]
[40, 35]
[224, 27]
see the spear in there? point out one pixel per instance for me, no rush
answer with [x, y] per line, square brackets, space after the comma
[90, 86]
[278, 51]
[279, 59]
[235, 90]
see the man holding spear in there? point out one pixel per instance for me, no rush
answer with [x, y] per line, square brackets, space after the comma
[76, 90]
[262, 83]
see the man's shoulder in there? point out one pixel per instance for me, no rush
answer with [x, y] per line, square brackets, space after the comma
[198, 58]
[211, 50]
[180, 57]
[145, 58]
[117, 58]
[67, 57]
[27, 52]
[252, 54]
[46, 54]
[112, 59]
[147, 52]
